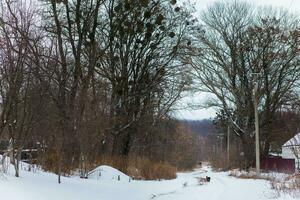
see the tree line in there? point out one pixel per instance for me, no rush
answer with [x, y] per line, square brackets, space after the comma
[97, 77]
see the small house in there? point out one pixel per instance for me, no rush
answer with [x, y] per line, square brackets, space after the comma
[291, 150]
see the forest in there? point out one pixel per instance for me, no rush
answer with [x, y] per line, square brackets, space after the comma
[90, 82]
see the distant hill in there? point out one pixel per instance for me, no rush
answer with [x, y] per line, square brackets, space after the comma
[199, 127]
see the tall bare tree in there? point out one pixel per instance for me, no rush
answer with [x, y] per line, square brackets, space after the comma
[18, 86]
[142, 43]
[237, 42]
[74, 25]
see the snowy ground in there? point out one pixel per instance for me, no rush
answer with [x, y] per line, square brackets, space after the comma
[43, 186]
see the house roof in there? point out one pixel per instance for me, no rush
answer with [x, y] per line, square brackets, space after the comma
[294, 141]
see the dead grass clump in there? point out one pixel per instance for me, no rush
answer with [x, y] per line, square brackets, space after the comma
[157, 171]
[249, 175]
[139, 168]
[290, 186]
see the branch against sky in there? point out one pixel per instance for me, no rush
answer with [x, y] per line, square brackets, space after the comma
[198, 113]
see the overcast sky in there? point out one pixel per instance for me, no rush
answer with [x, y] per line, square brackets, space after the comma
[191, 114]
[292, 5]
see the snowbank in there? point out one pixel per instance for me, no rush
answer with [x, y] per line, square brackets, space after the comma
[41, 185]
[105, 172]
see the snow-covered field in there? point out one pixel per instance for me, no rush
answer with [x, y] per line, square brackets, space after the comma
[104, 185]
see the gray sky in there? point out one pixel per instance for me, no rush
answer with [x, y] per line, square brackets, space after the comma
[291, 5]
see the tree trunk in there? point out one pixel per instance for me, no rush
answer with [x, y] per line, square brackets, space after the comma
[83, 167]
[266, 148]
[249, 151]
[121, 149]
[17, 163]
[59, 167]
[59, 173]
[121, 144]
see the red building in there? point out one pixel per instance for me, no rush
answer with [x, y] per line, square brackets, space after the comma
[277, 164]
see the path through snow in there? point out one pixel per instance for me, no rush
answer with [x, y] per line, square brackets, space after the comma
[43, 186]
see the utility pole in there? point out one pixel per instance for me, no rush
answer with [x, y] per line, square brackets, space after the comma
[257, 154]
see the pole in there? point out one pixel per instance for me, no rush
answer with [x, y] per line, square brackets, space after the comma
[228, 144]
[257, 157]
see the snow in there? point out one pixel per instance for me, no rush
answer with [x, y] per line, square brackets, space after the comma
[295, 141]
[291, 149]
[287, 152]
[105, 172]
[43, 186]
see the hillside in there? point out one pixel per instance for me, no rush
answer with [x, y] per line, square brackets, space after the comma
[200, 127]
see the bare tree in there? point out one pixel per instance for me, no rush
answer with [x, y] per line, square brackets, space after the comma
[18, 86]
[74, 26]
[141, 48]
[238, 41]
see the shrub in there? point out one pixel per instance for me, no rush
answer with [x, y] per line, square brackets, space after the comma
[290, 185]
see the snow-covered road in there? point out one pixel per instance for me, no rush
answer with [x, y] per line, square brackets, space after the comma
[43, 186]
[221, 187]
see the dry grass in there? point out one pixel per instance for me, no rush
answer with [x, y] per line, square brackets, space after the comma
[249, 175]
[157, 171]
[139, 168]
[219, 162]
[290, 185]
[136, 167]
